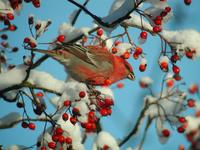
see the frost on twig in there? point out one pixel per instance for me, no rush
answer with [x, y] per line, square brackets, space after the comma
[71, 32]
[16, 147]
[186, 39]
[103, 140]
[69, 130]
[10, 120]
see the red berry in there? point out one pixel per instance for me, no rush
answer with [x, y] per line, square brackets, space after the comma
[120, 85]
[15, 49]
[73, 120]
[4, 36]
[30, 20]
[143, 85]
[135, 55]
[82, 94]
[164, 66]
[142, 67]
[180, 129]
[39, 94]
[103, 112]
[36, 3]
[61, 139]
[24, 125]
[170, 83]
[109, 111]
[65, 117]
[32, 45]
[76, 111]
[158, 18]
[100, 32]
[138, 50]
[108, 102]
[2, 17]
[197, 114]
[4, 44]
[181, 147]
[91, 114]
[182, 119]
[88, 126]
[166, 133]
[187, 2]
[143, 35]
[193, 89]
[93, 127]
[191, 103]
[105, 147]
[55, 138]
[177, 77]
[67, 103]
[92, 117]
[43, 148]
[174, 58]
[176, 69]
[167, 9]
[158, 22]
[26, 40]
[68, 140]
[20, 104]
[61, 38]
[52, 145]
[37, 26]
[114, 50]
[31, 126]
[10, 16]
[107, 82]
[12, 27]
[126, 55]
[117, 43]
[163, 14]
[59, 131]
[189, 54]
[156, 29]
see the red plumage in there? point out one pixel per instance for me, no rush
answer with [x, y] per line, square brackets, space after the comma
[91, 64]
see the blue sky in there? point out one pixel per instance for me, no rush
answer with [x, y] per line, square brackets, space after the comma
[128, 100]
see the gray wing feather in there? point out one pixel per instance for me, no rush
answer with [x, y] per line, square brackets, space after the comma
[83, 53]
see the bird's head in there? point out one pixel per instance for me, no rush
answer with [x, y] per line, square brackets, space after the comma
[129, 71]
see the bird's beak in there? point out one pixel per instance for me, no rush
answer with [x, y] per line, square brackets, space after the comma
[131, 76]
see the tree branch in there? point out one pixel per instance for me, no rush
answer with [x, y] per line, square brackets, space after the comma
[99, 20]
[78, 13]
[137, 125]
[11, 124]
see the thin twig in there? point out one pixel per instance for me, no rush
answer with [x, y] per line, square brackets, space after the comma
[137, 125]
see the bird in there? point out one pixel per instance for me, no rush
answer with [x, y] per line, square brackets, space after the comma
[92, 64]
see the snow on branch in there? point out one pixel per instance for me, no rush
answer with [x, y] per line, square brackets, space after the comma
[135, 21]
[103, 140]
[10, 120]
[37, 79]
[71, 32]
[187, 39]
[115, 17]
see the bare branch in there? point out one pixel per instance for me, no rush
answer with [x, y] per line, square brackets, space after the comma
[137, 125]
[99, 20]
[78, 13]
[11, 124]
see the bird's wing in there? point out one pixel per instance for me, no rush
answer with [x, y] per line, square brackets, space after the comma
[80, 52]
[94, 55]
